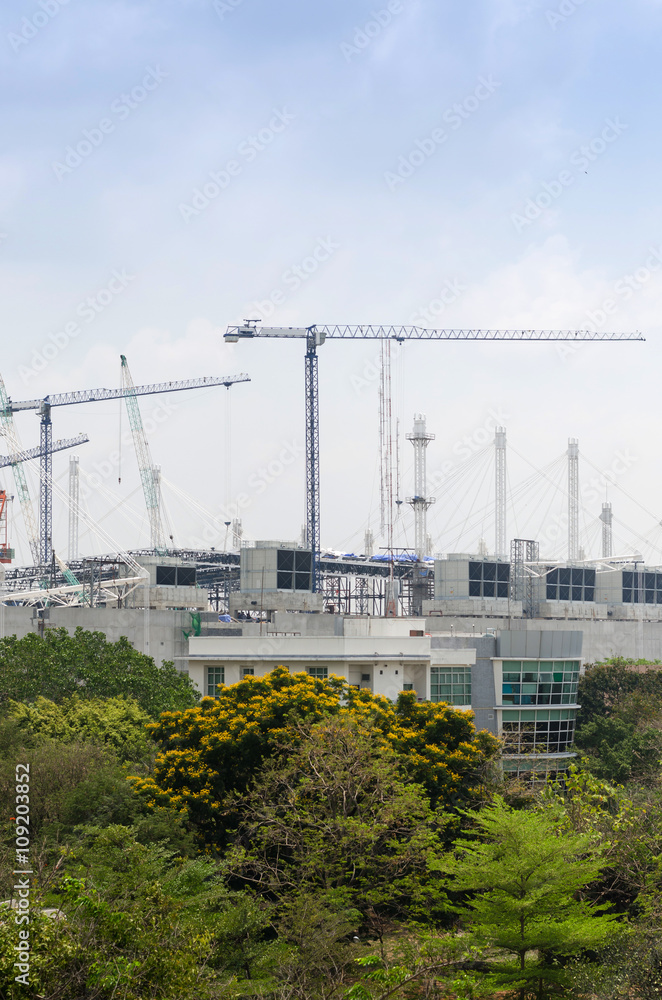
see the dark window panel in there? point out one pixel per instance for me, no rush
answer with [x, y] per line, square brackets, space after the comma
[166, 576]
[489, 571]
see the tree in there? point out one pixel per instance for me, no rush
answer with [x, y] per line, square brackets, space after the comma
[209, 752]
[605, 685]
[526, 879]
[118, 724]
[336, 822]
[59, 665]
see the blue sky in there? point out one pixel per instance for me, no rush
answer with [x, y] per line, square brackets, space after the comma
[115, 114]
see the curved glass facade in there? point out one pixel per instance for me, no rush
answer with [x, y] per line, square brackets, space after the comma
[540, 682]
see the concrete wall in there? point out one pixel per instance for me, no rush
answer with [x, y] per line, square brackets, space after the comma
[166, 638]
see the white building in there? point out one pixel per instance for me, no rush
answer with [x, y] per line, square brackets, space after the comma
[520, 684]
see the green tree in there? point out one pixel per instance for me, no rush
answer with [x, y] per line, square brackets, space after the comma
[526, 877]
[118, 724]
[208, 753]
[605, 685]
[336, 821]
[59, 665]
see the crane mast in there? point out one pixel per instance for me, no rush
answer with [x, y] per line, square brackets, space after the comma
[317, 334]
[148, 473]
[24, 498]
[44, 406]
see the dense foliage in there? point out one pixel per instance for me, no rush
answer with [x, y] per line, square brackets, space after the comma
[59, 665]
[620, 725]
[295, 839]
[210, 752]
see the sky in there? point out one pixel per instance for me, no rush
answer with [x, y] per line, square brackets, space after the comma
[170, 168]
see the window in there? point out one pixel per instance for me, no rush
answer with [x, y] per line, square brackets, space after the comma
[365, 678]
[488, 579]
[186, 576]
[642, 588]
[248, 671]
[451, 684]
[541, 731]
[175, 576]
[294, 569]
[571, 584]
[407, 687]
[540, 682]
[215, 676]
[321, 673]
[166, 576]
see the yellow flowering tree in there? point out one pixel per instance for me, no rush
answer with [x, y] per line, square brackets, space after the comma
[209, 753]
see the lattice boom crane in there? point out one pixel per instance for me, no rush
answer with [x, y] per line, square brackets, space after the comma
[43, 407]
[316, 335]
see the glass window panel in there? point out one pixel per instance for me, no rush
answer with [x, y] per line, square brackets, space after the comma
[303, 562]
[529, 688]
[186, 576]
[529, 676]
[558, 679]
[248, 671]
[166, 576]
[215, 676]
[475, 571]
[528, 715]
[545, 678]
[515, 665]
[512, 677]
[285, 559]
[319, 672]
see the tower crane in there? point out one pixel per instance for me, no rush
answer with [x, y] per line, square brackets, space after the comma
[148, 473]
[317, 334]
[44, 406]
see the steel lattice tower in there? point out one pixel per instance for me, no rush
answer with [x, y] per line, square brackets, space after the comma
[500, 543]
[607, 518]
[312, 457]
[74, 501]
[420, 501]
[573, 499]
